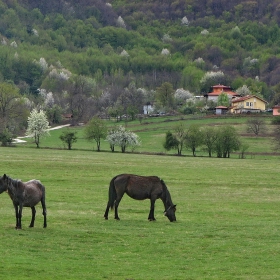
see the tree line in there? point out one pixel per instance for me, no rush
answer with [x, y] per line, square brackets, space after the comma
[222, 141]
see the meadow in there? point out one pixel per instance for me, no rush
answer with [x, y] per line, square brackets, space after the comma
[152, 133]
[227, 217]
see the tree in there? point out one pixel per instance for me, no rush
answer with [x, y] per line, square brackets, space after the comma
[209, 138]
[38, 126]
[223, 100]
[193, 138]
[243, 91]
[180, 134]
[68, 137]
[122, 138]
[256, 125]
[171, 142]
[165, 95]
[176, 140]
[11, 106]
[210, 79]
[276, 139]
[6, 138]
[96, 129]
[227, 141]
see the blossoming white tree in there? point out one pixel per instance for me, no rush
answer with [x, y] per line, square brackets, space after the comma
[243, 91]
[185, 21]
[122, 138]
[120, 22]
[38, 126]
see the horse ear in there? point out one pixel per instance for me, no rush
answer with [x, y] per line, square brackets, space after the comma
[4, 176]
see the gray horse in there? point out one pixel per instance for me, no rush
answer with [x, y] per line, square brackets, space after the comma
[23, 194]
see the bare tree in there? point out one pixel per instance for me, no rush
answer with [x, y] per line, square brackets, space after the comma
[256, 125]
[276, 139]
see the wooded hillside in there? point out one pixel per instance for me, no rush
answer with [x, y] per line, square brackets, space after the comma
[54, 45]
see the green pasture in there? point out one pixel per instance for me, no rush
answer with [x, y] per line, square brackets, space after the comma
[227, 227]
[152, 133]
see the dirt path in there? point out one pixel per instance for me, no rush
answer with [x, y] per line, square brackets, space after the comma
[19, 140]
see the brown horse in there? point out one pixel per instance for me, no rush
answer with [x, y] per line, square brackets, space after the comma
[24, 195]
[140, 188]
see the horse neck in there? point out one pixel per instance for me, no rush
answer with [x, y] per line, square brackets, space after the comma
[12, 187]
[166, 197]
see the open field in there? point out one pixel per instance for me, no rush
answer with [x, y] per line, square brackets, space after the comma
[152, 133]
[227, 218]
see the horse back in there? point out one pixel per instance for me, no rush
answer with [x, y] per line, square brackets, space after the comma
[34, 190]
[138, 187]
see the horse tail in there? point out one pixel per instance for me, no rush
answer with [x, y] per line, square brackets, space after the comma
[43, 198]
[112, 193]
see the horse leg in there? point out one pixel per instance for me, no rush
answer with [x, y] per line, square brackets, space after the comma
[152, 210]
[33, 216]
[107, 211]
[117, 202]
[44, 211]
[17, 216]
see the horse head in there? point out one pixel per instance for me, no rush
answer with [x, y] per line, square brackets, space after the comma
[170, 213]
[4, 183]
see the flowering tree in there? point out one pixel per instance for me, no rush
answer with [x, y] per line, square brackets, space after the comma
[185, 21]
[212, 78]
[181, 96]
[38, 126]
[122, 138]
[243, 91]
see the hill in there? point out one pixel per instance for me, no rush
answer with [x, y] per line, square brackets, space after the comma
[60, 46]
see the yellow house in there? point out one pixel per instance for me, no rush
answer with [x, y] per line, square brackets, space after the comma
[247, 104]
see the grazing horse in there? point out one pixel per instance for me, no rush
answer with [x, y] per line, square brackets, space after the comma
[24, 195]
[140, 188]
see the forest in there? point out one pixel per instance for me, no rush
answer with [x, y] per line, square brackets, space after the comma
[92, 57]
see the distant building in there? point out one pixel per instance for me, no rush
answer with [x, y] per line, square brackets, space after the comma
[148, 109]
[221, 110]
[276, 110]
[248, 104]
[218, 90]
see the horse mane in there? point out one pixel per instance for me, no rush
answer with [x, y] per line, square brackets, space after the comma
[15, 182]
[166, 193]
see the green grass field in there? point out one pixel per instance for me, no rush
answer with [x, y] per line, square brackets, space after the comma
[227, 225]
[152, 133]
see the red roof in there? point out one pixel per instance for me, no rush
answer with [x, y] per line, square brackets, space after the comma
[276, 107]
[221, 107]
[219, 89]
[246, 98]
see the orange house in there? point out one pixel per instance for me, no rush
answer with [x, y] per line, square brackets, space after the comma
[276, 110]
[219, 89]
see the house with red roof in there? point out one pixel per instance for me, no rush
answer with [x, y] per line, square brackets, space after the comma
[276, 110]
[248, 104]
[219, 89]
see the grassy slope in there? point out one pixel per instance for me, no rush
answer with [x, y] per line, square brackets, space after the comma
[152, 134]
[227, 227]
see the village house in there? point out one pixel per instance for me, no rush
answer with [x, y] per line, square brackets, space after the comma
[276, 110]
[218, 90]
[248, 104]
